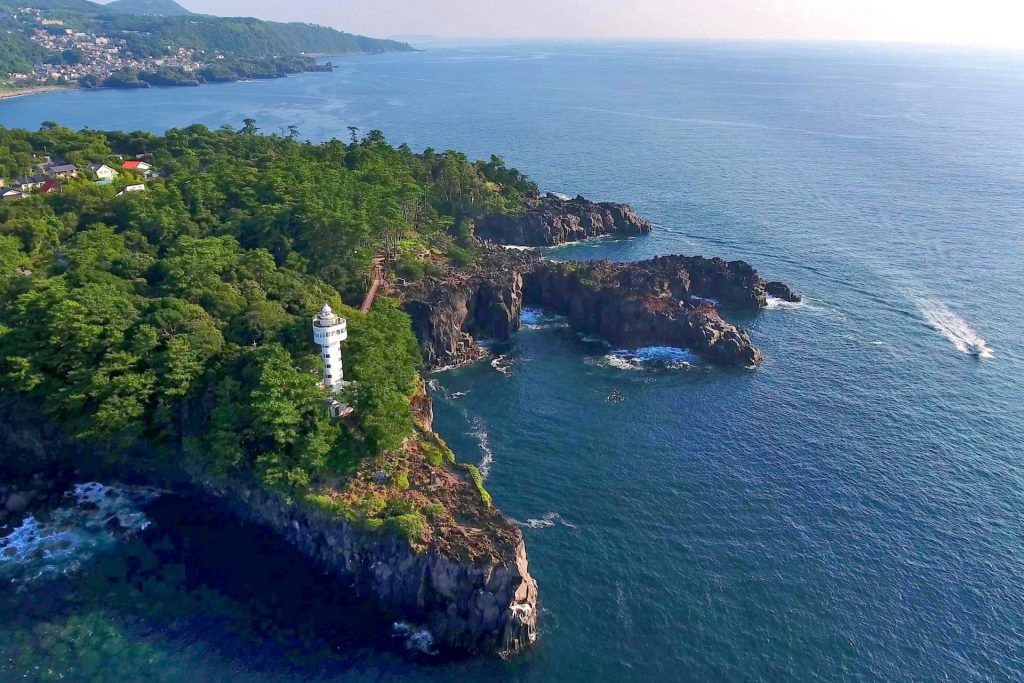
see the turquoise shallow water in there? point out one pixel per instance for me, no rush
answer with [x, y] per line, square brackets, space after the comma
[852, 510]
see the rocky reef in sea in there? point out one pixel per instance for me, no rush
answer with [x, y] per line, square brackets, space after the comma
[550, 220]
[666, 301]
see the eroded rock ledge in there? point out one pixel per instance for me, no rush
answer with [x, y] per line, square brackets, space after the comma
[550, 220]
[669, 301]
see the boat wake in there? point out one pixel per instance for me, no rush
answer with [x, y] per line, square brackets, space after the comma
[954, 328]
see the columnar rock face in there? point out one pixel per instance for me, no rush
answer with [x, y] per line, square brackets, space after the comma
[669, 300]
[485, 604]
[478, 607]
[450, 314]
[549, 221]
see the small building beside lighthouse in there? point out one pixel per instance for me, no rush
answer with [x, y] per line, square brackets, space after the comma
[329, 330]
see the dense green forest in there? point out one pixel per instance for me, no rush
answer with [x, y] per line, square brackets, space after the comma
[17, 53]
[152, 35]
[179, 317]
[155, 7]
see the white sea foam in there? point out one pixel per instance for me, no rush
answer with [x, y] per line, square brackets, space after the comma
[483, 440]
[649, 357]
[93, 518]
[502, 364]
[416, 639]
[954, 328]
[775, 303]
[518, 247]
[619, 363]
[546, 522]
[537, 319]
[591, 339]
[561, 195]
[458, 394]
[622, 607]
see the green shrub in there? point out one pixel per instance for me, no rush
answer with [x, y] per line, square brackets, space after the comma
[410, 526]
[478, 481]
[410, 268]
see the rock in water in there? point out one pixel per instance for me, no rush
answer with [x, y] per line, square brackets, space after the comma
[549, 221]
[780, 290]
[17, 502]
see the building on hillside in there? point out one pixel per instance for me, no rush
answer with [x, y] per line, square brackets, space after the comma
[329, 331]
[62, 171]
[136, 165]
[103, 172]
[50, 186]
[132, 188]
[29, 184]
[11, 195]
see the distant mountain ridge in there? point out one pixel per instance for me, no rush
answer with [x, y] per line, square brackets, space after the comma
[156, 8]
[155, 27]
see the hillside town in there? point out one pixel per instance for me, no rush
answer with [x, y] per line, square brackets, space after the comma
[49, 176]
[83, 58]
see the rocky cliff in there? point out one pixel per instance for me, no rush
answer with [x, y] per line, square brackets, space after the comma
[549, 221]
[484, 606]
[666, 301]
[449, 314]
[470, 587]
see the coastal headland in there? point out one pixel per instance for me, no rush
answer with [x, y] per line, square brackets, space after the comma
[161, 335]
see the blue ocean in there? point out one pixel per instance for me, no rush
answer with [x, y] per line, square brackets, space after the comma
[852, 510]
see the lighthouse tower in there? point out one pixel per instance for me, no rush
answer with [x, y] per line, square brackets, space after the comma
[329, 330]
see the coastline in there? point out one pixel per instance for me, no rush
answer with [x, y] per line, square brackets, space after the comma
[6, 94]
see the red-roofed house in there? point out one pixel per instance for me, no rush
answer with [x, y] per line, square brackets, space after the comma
[138, 167]
[49, 187]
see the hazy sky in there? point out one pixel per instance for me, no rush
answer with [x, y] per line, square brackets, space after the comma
[982, 22]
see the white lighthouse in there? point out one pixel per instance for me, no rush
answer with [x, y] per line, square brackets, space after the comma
[329, 330]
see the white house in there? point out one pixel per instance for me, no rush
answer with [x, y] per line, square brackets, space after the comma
[103, 172]
[132, 188]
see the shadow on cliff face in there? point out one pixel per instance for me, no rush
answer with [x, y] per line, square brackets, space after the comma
[198, 579]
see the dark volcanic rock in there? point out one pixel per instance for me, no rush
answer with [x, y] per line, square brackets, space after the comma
[663, 301]
[550, 221]
[477, 607]
[782, 291]
[450, 314]
[635, 305]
